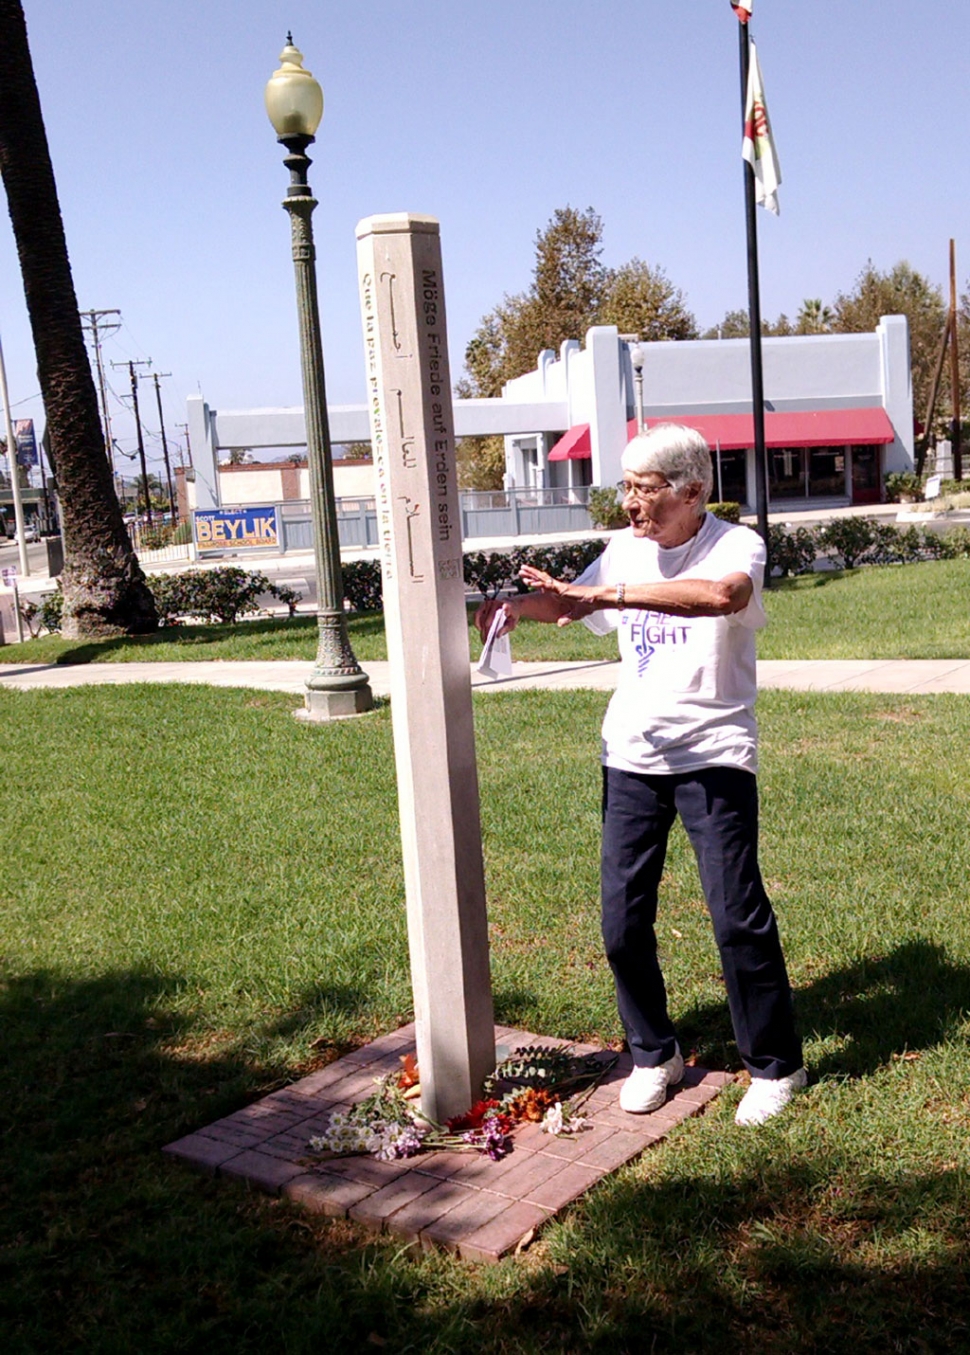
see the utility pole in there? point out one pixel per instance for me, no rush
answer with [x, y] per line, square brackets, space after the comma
[188, 445]
[156, 377]
[131, 364]
[96, 324]
[956, 450]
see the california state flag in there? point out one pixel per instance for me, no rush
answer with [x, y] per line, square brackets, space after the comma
[742, 9]
[758, 147]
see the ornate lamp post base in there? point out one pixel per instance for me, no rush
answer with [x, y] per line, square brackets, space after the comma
[331, 705]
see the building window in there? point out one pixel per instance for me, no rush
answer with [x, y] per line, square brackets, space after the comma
[806, 473]
[730, 476]
[826, 472]
[786, 473]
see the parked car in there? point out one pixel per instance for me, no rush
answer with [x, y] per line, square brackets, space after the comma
[30, 533]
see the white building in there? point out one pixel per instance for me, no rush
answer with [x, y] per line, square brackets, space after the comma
[839, 412]
[839, 417]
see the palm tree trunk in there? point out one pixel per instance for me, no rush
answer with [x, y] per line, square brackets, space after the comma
[105, 591]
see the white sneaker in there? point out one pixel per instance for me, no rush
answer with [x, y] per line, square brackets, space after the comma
[646, 1088]
[767, 1096]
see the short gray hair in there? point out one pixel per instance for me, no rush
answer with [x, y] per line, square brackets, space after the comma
[677, 453]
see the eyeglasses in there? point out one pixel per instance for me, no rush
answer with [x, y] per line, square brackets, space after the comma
[645, 493]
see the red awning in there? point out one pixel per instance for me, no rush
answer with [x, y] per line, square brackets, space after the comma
[574, 445]
[797, 428]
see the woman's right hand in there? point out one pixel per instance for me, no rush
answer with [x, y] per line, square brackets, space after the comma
[486, 615]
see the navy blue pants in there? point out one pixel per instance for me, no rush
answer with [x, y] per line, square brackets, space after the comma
[719, 809]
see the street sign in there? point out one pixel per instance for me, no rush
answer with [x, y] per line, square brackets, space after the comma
[23, 431]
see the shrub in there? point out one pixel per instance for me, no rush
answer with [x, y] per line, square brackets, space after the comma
[890, 546]
[566, 561]
[903, 482]
[490, 571]
[232, 592]
[605, 509]
[218, 595]
[176, 595]
[51, 611]
[954, 544]
[727, 512]
[948, 487]
[792, 552]
[288, 596]
[847, 539]
[155, 537]
[362, 585]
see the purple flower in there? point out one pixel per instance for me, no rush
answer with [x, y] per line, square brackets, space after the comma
[408, 1142]
[495, 1140]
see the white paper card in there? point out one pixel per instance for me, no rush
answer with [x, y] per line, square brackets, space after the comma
[496, 660]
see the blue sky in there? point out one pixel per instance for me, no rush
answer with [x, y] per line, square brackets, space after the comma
[488, 117]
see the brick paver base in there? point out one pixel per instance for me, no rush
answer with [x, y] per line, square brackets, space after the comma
[463, 1201]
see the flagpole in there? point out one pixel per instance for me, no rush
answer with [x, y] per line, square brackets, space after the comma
[754, 320]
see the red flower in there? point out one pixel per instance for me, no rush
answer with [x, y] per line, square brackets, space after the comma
[472, 1119]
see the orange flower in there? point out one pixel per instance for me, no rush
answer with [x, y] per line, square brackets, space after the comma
[532, 1104]
[409, 1075]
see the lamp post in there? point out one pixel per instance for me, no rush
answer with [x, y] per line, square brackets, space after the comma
[337, 685]
[637, 357]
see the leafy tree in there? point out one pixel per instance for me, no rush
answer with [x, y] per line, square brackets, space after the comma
[814, 317]
[486, 356]
[481, 462]
[357, 451]
[571, 290]
[104, 588]
[963, 346]
[901, 291]
[642, 300]
[157, 494]
[568, 278]
[736, 325]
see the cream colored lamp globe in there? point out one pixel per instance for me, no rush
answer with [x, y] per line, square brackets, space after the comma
[294, 100]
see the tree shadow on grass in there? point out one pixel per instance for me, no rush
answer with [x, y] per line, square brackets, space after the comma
[879, 1007]
[779, 1257]
[106, 1246]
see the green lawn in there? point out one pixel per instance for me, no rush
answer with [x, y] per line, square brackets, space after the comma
[202, 900]
[893, 612]
[897, 612]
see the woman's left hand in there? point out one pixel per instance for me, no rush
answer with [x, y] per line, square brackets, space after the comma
[579, 598]
[538, 578]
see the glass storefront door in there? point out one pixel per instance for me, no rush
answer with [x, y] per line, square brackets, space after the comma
[826, 472]
[866, 481]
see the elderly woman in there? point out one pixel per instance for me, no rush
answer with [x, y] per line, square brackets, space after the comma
[683, 589]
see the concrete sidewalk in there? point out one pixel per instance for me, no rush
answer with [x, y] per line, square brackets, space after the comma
[909, 677]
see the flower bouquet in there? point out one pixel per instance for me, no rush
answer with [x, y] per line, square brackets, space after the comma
[536, 1085]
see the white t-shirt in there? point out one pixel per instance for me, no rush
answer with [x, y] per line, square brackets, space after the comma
[687, 687]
